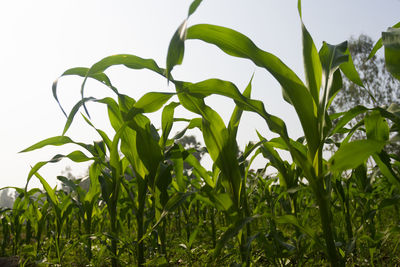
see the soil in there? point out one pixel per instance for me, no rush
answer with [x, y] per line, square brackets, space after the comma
[9, 261]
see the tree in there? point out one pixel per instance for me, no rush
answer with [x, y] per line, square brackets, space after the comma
[84, 181]
[381, 88]
[6, 199]
[189, 141]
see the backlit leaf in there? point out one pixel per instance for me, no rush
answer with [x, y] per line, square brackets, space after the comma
[351, 155]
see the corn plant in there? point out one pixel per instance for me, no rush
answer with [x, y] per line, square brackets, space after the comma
[312, 209]
[311, 100]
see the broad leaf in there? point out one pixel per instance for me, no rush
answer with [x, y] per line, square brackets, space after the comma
[237, 112]
[312, 63]
[379, 43]
[52, 141]
[237, 44]
[176, 48]
[193, 7]
[232, 231]
[149, 103]
[167, 120]
[391, 42]
[376, 126]
[76, 156]
[351, 155]
[82, 72]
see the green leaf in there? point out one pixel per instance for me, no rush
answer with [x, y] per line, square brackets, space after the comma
[103, 135]
[351, 155]
[167, 120]
[222, 201]
[68, 182]
[193, 7]
[200, 170]
[174, 202]
[348, 116]
[299, 8]
[129, 61]
[237, 112]
[82, 72]
[149, 103]
[162, 180]
[312, 63]
[391, 42]
[237, 44]
[177, 158]
[193, 236]
[375, 49]
[176, 48]
[350, 71]
[383, 161]
[50, 192]
[389, 202]
[74, 111]
[52, 141]
[291, 219]
[193, 123]
[228, 89]
[76, 156]
[376, 127]
[148, 149]
[114, 113]
[232, 231]
[114, 152]
[272, 155]
[222, 149]
[332, 57]
[379, 43]
[335, 86]
[95, 188]
[220, 145]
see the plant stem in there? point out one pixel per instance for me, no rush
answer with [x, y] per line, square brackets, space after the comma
[214, 239]
[325, 214]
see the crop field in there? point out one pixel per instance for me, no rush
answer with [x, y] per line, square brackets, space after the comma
[151, 202]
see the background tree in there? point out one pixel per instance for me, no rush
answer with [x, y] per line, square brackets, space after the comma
[189, 141]
[6, 198]
[381, 88]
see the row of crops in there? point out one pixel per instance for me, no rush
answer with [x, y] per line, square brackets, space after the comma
[151, 202]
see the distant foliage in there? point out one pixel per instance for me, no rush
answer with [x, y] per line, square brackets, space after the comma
[381, 88]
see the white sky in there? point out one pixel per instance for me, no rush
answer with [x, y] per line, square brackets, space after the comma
[41, 39]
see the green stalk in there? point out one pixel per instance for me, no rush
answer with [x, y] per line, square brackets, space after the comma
[114, 245]
[247, 252]
[347, 216]
[163, 239]
[213, 230]
[323, 202]
[142, 186]
[326, 219]
[88, 224]
[198, 211]
[58, 226]
[186, 215]
[28, 231]
[6, 235]
[140, 247]
[178, 222]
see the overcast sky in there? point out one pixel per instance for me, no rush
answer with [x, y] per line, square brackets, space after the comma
[41, 39]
